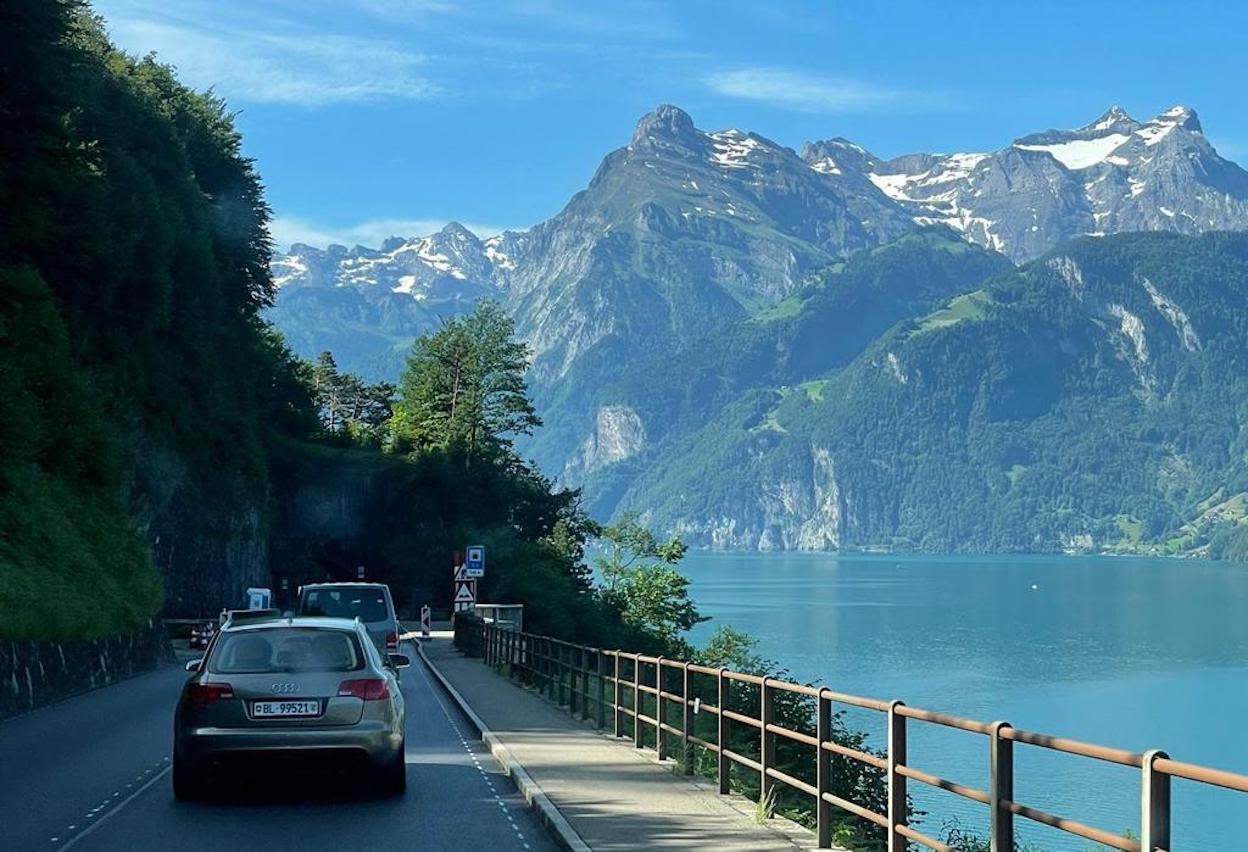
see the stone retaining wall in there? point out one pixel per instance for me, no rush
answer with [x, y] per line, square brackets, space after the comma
[33, 674]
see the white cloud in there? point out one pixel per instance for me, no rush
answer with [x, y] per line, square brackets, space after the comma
[287, 230]
[252, 65]
[814, 93]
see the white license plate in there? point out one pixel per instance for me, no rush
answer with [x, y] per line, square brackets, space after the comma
[285, 708]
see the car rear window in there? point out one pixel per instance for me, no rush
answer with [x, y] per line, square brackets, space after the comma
[287, 649]
[367, 604]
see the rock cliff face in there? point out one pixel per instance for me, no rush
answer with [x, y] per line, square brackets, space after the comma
[618, 436]
[799, 509]
[208, 546]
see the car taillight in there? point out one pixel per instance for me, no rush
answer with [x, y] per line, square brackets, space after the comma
[392, 640]
[203, 694]
[367, 688]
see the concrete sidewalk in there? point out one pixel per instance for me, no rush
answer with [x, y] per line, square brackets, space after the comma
[612, 795]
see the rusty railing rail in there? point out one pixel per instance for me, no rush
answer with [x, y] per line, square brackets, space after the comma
[563, 671]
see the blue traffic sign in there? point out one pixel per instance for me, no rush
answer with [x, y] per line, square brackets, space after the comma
[475, 562]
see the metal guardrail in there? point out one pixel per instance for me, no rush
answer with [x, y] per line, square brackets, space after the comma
[564, 670]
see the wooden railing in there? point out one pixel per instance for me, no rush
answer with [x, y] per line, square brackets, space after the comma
[616, 685]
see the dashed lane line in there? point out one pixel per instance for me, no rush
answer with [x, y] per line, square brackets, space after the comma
[489, 782]
[119, 805]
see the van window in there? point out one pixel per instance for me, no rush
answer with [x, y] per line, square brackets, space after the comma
[367, 604]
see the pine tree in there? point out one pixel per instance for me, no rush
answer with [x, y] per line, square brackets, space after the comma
[463, 388]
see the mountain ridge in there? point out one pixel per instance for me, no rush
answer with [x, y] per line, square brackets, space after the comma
[686, 242]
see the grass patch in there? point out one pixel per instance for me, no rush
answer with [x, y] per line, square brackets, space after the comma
[785, 308]
[814, 389]
[968, 306]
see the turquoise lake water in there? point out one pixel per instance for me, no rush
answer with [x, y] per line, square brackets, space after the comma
[1125, 652]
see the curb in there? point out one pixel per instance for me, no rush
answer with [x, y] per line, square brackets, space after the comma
[565, 834]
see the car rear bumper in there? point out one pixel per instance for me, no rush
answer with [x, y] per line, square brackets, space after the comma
[371, 742]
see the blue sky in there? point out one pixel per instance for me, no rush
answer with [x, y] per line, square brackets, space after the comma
[373, 117]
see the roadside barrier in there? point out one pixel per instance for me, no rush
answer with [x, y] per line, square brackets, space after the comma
[613, 687]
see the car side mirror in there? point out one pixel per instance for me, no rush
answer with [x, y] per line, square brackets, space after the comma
[193, 665]
[400, 661]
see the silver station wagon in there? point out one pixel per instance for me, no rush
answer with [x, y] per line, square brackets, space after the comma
[315, 691]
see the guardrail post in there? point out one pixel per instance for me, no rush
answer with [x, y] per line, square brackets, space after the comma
[601, 716]
[686, 726]
[767, 740]
[896, 781]
[547, 681]
[823, 770]
[570, 651]
[1154, 804]
[618, 693]
[583, 656]
[725, 764]
[658, 711]
[485, 643]
[558, 672]
[638, 734]
[1000, 789]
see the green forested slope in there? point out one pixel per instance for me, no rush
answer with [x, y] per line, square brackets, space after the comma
[828, 323]
[1090, 401]
[133, 264]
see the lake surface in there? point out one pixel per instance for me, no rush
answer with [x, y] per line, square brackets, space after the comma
[1125, 652]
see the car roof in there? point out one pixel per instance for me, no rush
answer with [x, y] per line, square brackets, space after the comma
[344, 585]
[314, 621]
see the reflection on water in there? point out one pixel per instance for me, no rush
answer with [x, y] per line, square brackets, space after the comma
[1135, 653]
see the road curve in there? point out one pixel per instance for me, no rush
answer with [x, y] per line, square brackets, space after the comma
[92, 772]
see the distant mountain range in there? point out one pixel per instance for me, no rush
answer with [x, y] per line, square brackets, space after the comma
[684, 239]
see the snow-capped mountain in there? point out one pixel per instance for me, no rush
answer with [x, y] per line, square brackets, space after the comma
[684, 230]
[452, 264]
[1113, 175]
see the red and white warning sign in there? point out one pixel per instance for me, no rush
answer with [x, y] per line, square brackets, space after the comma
[465, 595]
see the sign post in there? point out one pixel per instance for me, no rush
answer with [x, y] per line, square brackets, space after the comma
[426, 622]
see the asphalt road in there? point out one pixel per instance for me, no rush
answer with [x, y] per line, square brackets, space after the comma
[92, 772]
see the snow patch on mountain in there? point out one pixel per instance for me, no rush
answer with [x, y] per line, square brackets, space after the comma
[732, 149]
[1081, 153]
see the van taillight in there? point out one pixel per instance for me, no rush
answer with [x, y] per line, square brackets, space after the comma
[367, 688]
[392, 640]
[203, 694]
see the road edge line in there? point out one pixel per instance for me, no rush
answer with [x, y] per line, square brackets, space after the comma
[530, 789]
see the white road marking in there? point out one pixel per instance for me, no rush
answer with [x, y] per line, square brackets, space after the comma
[120, 805]
[433, 690]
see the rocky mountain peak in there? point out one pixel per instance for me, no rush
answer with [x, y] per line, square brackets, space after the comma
[667, 123]
[456, 232]
[1114, 119]
[1180, 116]
[837, 155]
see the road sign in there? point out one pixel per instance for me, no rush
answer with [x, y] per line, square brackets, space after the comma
[461, 573]
[465, 595]
[426, 622]
[476, 561]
